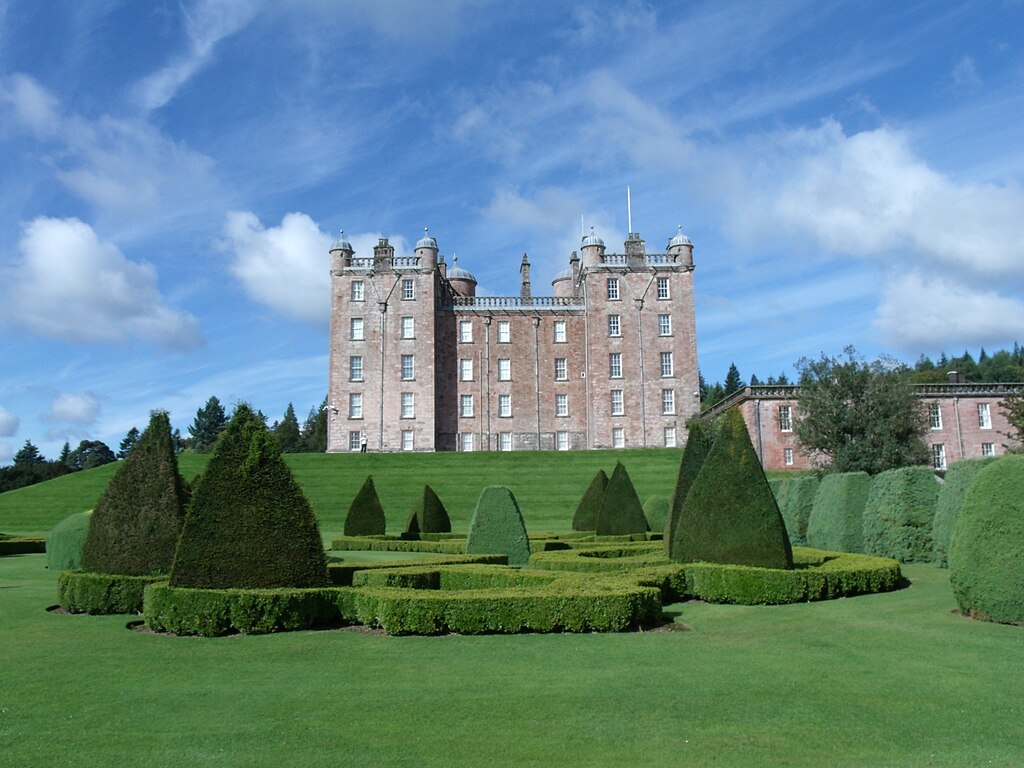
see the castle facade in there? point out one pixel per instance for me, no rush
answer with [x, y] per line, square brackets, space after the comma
[419, 362]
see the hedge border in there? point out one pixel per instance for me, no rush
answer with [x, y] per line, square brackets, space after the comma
[102, 593]
[342, 573]
[455, 544]
[22, 545]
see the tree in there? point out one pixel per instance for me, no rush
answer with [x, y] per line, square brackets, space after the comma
[314, 430]
[1012, 407]
[210, 421]
[65, 453]
[28, 455]
[128, 443]
[854, 416]
[733, 382]
[90, 454]
[287, 431]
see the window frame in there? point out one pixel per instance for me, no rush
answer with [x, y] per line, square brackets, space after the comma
[358, 291]
[408, 327]
[355, 367]
[504, 332]
[667, 371]
[618, 402]
[614, 365]
[408, 371]
[408, 289]
[504, 406]
[614, 326]
[668, 402]
[356, 329]
[666, 295]
[984, 416]
[614, 294]
[559, 332]
[355, 405]
[408, 405]
[785, 418]
[664, 325]
[506, 374]
[561, 405]
[465, 400]
[561, 369]
[465, 331]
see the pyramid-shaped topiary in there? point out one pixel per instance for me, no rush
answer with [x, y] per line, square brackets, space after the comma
[136, 523]
[730, 514]
[248, 524]
[497, 527]
[366, 515]
[621, 512]
[585, 518]
[428, 514]
[698, 443]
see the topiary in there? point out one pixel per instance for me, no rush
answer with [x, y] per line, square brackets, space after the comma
[248, 524]
[899, 512]
[620, 512]
[137, 521]
[730, 514]
[656, 511]
[951, 500]
[428, 514]
[986, 555]
[698, 443]
[585, 518]
[64, 543]
[837, 517]
[366, 515]
[795, 498]
[497, 527]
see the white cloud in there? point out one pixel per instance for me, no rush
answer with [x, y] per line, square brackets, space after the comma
[550, 209]
[965, 73]
[31, 105]
[81, 408]
[6, 452]
[71, 285]
[8, 423]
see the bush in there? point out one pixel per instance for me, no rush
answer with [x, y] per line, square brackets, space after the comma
[342, 573]
[698, 443]
[795, 497]
[64, 543]
[22, 545]
[837, 517]
[102, 593]
[585, 518]
[248, 524]
[656, 511]
[389, 544]
[366, 515]
[497, 527]
[620, 511]
[986, 556]
[137, 521]
[428, 515]
[951, 500]
[730, 514]
[899, 512]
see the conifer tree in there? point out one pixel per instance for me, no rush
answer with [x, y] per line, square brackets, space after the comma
[733, 381]
[287, 431]
[128, 442]
[209, 422]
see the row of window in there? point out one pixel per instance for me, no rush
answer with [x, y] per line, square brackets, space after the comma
[467, 440]
[984, 416]
[939, 453]
[407, 292]
[663, 292]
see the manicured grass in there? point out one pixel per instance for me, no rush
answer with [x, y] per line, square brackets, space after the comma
[892, 679]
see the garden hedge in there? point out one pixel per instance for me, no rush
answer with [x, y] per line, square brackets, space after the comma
[958, 479]
[656, 510]
[396, 544]
[986, 556]
[21, 545]
[342, 573]
[365, 515]
[899, 512]
[698, 443]
[837, 517]
[497, 526]
[102, 593]
[428, 515]
[585, 518]
[64, 543]
[620, 512]
[795, 497]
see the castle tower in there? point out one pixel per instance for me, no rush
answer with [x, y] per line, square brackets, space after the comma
[592, 247]
[680, 249]
[426, 251]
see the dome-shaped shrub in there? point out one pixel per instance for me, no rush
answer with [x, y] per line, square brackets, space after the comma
[986, 556]
[64, 543]
[958, 479]
[365, 515]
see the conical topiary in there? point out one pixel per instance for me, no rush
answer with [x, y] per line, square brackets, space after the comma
[585, 518]
[428, 514]
[135, 525]
[698, 443]
[366, 515]
[621, 512]
[497, 527]
[248, 524]
[730, 514]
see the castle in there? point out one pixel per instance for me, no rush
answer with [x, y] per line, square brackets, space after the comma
[419, 362]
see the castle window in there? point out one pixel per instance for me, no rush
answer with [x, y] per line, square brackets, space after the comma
[618, 409]
[664, 325]
[355, 441]
[561, 372]
[785, 418]
[984, 416]
[466, 331]
[938, 456]
[504, 441]
[934, 416]
[670, 437]
[408, 405]
[466, 441]
[614, 325]
[988, 449]
[408, 289]
[357, 290]
[505, 406]
[466, 406]
[407, 440]
[466, 369]
[504, 369]
[561, 405]
[663, 289]
[504, 331]
[355, 368]
[613, 289]
[408, 327]
[356, 329]
[668, 402]
[667, 368]
[615, 365]
[618, 437]
[561, 441]
[787, 457]
[355, 405]
[408, 368]
[559, 331]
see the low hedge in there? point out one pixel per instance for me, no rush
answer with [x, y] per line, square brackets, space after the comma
[341, 573]
[393, 544]
[102, 593]
[22, 545]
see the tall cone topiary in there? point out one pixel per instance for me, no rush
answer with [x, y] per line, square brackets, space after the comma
[428, 514]
[497, 527]
[585, 518]
[698, 443]
[730, 514]
[621, 512]
[249, 525]
[366, 515]
[136, 522]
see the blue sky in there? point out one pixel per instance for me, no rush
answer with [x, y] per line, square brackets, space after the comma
[172, 174]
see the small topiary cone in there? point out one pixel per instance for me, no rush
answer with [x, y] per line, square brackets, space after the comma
[621, 512]
[497, 527]
[585, 518]
[366, 515]
[698, 443]
[428, 514]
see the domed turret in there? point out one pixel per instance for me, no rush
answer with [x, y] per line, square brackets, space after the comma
[680, 248]
[341, 253]
[426, 250]
[593, 249]
[463, 282]
[562, 283]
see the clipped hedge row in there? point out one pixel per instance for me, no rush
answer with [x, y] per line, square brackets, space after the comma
[837, 517]
[22, 545]
[102, 593]
[341, 573]
[393, 544]
[951, 500]
[795, 497]
[65, 542]
[899, 512]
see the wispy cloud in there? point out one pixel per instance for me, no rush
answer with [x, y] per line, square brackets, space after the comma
[8, 423]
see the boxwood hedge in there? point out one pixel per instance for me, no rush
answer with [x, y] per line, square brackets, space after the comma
[899, 512]
[795, 497]
[958, 479]
[102, 593]
[365, 514]
[837, 517]
[621, 511]
[21, 545]
[428, 515]
[585, 518]
[64, 543]
[497, 526]
[698, 443]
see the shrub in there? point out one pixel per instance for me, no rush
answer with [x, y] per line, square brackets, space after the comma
[585, 518]
[366, 515]
[986, 556]
[428, 515]
[137, 521]
[64, 543]
[656, 510]
[388, 544]
[248, 524]
[899, 512]
[22, 545]
[620, 512]
[837, 517]
[497, 527]
[951, 500]
[698, 443]
[730, 514]
[342, 573]
[102, 593]
[795, 496]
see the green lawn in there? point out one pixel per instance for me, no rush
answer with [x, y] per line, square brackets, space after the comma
[893, 679]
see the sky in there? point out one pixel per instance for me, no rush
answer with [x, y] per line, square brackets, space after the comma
[172, 175]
